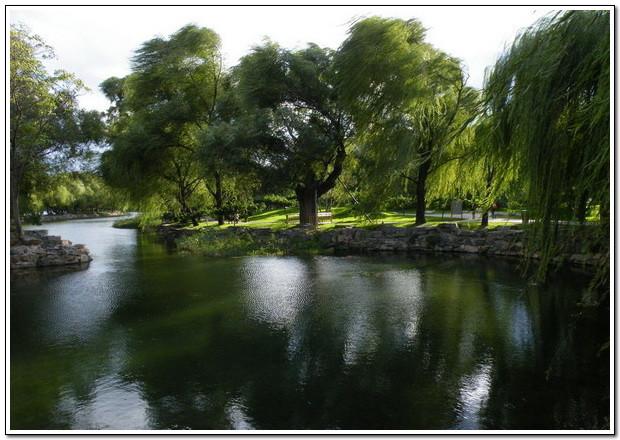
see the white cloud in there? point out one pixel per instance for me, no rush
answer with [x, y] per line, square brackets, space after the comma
[97, 42]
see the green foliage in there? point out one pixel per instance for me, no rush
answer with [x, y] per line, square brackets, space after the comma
[277, 201]
[220, 244]
[153, 210]
[158, 111]
[410, 105]
[47, 129]
[399, 203]
[381, 66]
[127, 223]
[74, 193]
[138, 222]
[548, 104]
[303, 132]
[238, 202]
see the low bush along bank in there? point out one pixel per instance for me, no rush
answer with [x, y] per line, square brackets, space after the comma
[245, 241]
[137, 222]
[127, 223]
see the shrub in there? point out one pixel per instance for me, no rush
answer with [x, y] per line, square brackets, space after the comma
[399, 203]
[275, 201]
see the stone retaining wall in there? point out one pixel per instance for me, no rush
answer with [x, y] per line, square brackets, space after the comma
[446, 238]
[37, 249]
[442, 238]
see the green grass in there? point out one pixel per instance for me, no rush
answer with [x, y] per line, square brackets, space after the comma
[213, 240]
[344, 217]
[475, 224]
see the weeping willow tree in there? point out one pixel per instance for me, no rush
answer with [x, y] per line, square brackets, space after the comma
[410, 104]
[479, 172]
[548, 103]
[156, 115]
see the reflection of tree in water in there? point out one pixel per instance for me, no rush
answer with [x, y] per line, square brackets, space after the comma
[353, 345]
[336, 342]
[74, 388]
[557, 379]
[63, 348]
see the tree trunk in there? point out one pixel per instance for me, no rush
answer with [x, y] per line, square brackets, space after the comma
[15, 210]
[219, 199]
[308, 194]
[420, 191]
[182, 199]
[187, 214]
[485, 215]
[307, 198]
[485, 219]
[581, 209]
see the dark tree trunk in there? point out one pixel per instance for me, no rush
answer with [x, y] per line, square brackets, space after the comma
[485, 215]
[187, 214]
[17, 223]
[219, 199]
[580, 210]
[485, 219]
[308, 194]
[308, 211]
[420, 191]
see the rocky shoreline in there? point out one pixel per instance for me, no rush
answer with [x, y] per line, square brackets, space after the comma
[37, 249]
[444, 238]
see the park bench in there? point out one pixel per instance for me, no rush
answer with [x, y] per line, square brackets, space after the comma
[323, 217]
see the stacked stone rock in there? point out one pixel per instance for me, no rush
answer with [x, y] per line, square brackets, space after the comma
[443, 238]
[37, 249]
[447, 237]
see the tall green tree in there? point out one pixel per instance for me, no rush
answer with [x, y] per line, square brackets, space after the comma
[158, 112]
[46, 125]
[548, 101]
[223, 147]
[409, 101]
[302, 133]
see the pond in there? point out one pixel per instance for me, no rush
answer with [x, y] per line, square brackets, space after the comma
[148, 339]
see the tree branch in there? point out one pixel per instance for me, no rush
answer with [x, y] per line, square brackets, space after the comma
[331, 179]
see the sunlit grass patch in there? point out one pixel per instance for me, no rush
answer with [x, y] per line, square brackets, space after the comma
[276, 219]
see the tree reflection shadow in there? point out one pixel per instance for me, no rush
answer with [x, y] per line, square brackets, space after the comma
[349, 343]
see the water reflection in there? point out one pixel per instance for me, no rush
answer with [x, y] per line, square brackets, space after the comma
[473, 395]
[130, 411]
[405, 298]
[147, 339]
[235, 411]
[276, 289]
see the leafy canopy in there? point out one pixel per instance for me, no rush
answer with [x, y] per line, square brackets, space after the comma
[303, 128]
[157, 113]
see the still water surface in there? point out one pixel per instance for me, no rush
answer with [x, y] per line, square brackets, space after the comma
[146, 339]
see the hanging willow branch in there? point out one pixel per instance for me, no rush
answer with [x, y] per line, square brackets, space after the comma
[548, 101]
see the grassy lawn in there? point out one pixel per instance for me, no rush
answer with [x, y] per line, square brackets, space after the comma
[343, 217]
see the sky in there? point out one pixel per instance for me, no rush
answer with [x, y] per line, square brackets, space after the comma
[96, 43]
